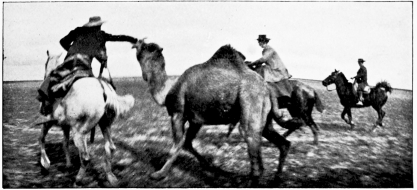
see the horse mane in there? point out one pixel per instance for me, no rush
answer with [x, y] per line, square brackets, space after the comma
[229, 53]
[345, 81]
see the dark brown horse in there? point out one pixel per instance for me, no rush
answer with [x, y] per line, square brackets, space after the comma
[298, 98]
[220, 91]
[376, 98]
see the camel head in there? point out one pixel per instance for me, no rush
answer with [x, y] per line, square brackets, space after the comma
[52, 63]
[149, 57]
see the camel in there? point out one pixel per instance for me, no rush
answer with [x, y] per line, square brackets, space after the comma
[222, 90]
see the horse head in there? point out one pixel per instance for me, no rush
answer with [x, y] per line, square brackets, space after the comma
[149, 57]
[51, 63]
[331, 78]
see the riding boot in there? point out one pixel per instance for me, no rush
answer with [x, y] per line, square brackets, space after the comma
[46, 107]
[43, 91]
[360, 102]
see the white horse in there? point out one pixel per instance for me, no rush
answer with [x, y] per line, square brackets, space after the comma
[89, 102]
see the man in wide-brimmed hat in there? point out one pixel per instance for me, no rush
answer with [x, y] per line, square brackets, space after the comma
[88, 40]
[275, 69]
[361, 79]
[91, 40]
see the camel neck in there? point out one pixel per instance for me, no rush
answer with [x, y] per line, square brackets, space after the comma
[160, 85]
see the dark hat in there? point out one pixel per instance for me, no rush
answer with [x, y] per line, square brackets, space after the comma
[361, 60]
[94, 21]
[263, 38]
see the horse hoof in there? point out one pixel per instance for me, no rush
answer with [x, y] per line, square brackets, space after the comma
[114, 182]
[45, 163]
[157, 176]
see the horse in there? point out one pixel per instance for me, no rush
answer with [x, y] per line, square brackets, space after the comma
[348, 98]
[219, 91]
[89, 101]
[297, 97]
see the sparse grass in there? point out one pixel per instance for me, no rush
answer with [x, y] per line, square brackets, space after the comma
[344, 157]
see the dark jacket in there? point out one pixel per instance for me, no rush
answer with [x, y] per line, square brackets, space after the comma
[90, 41]
[362, 76]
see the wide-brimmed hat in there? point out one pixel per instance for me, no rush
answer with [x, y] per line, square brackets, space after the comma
[94, 21]
[263, 38]
[361, 60]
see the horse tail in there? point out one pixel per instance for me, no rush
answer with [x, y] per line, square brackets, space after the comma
[319, 105]
[117, 106]
[384, 85]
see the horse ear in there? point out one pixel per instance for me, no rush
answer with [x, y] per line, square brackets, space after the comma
[160, 49]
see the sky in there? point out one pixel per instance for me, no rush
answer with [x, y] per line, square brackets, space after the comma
[312, 38]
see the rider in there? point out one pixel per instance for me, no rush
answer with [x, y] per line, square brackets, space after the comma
[89, 40]
[275, 69]
[361, 79]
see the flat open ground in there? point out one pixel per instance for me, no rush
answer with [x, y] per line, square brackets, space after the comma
[343, 158]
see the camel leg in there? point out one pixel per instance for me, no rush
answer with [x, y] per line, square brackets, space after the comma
[253, 139]
[191, 134]
[44, 158]
[179, 139]
[279, 141]
[109, 148]
[80, 141]
[65, 144]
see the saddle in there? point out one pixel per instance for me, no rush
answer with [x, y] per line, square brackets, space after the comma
[366, 89]
[73, 68]
[282, 88]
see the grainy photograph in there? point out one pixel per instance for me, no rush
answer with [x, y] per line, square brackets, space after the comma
[207, 94]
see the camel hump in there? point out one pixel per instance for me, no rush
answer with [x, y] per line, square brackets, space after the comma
[227, 52]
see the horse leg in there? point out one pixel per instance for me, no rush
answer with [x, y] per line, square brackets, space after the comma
[80, 141]
[314, 130]
[349, 112]
[44, 158]
[177, 121]
[381, 115]
[342, 115]
[279, 141]
[109, 148]
[93, 133]
[65, 144]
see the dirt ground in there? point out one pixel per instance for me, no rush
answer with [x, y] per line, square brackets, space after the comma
[344, 158]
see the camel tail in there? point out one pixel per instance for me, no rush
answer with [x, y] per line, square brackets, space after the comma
[384, 85]
[119, 106]
[319, 105]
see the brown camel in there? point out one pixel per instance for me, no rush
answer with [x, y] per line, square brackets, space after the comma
[222, 90]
